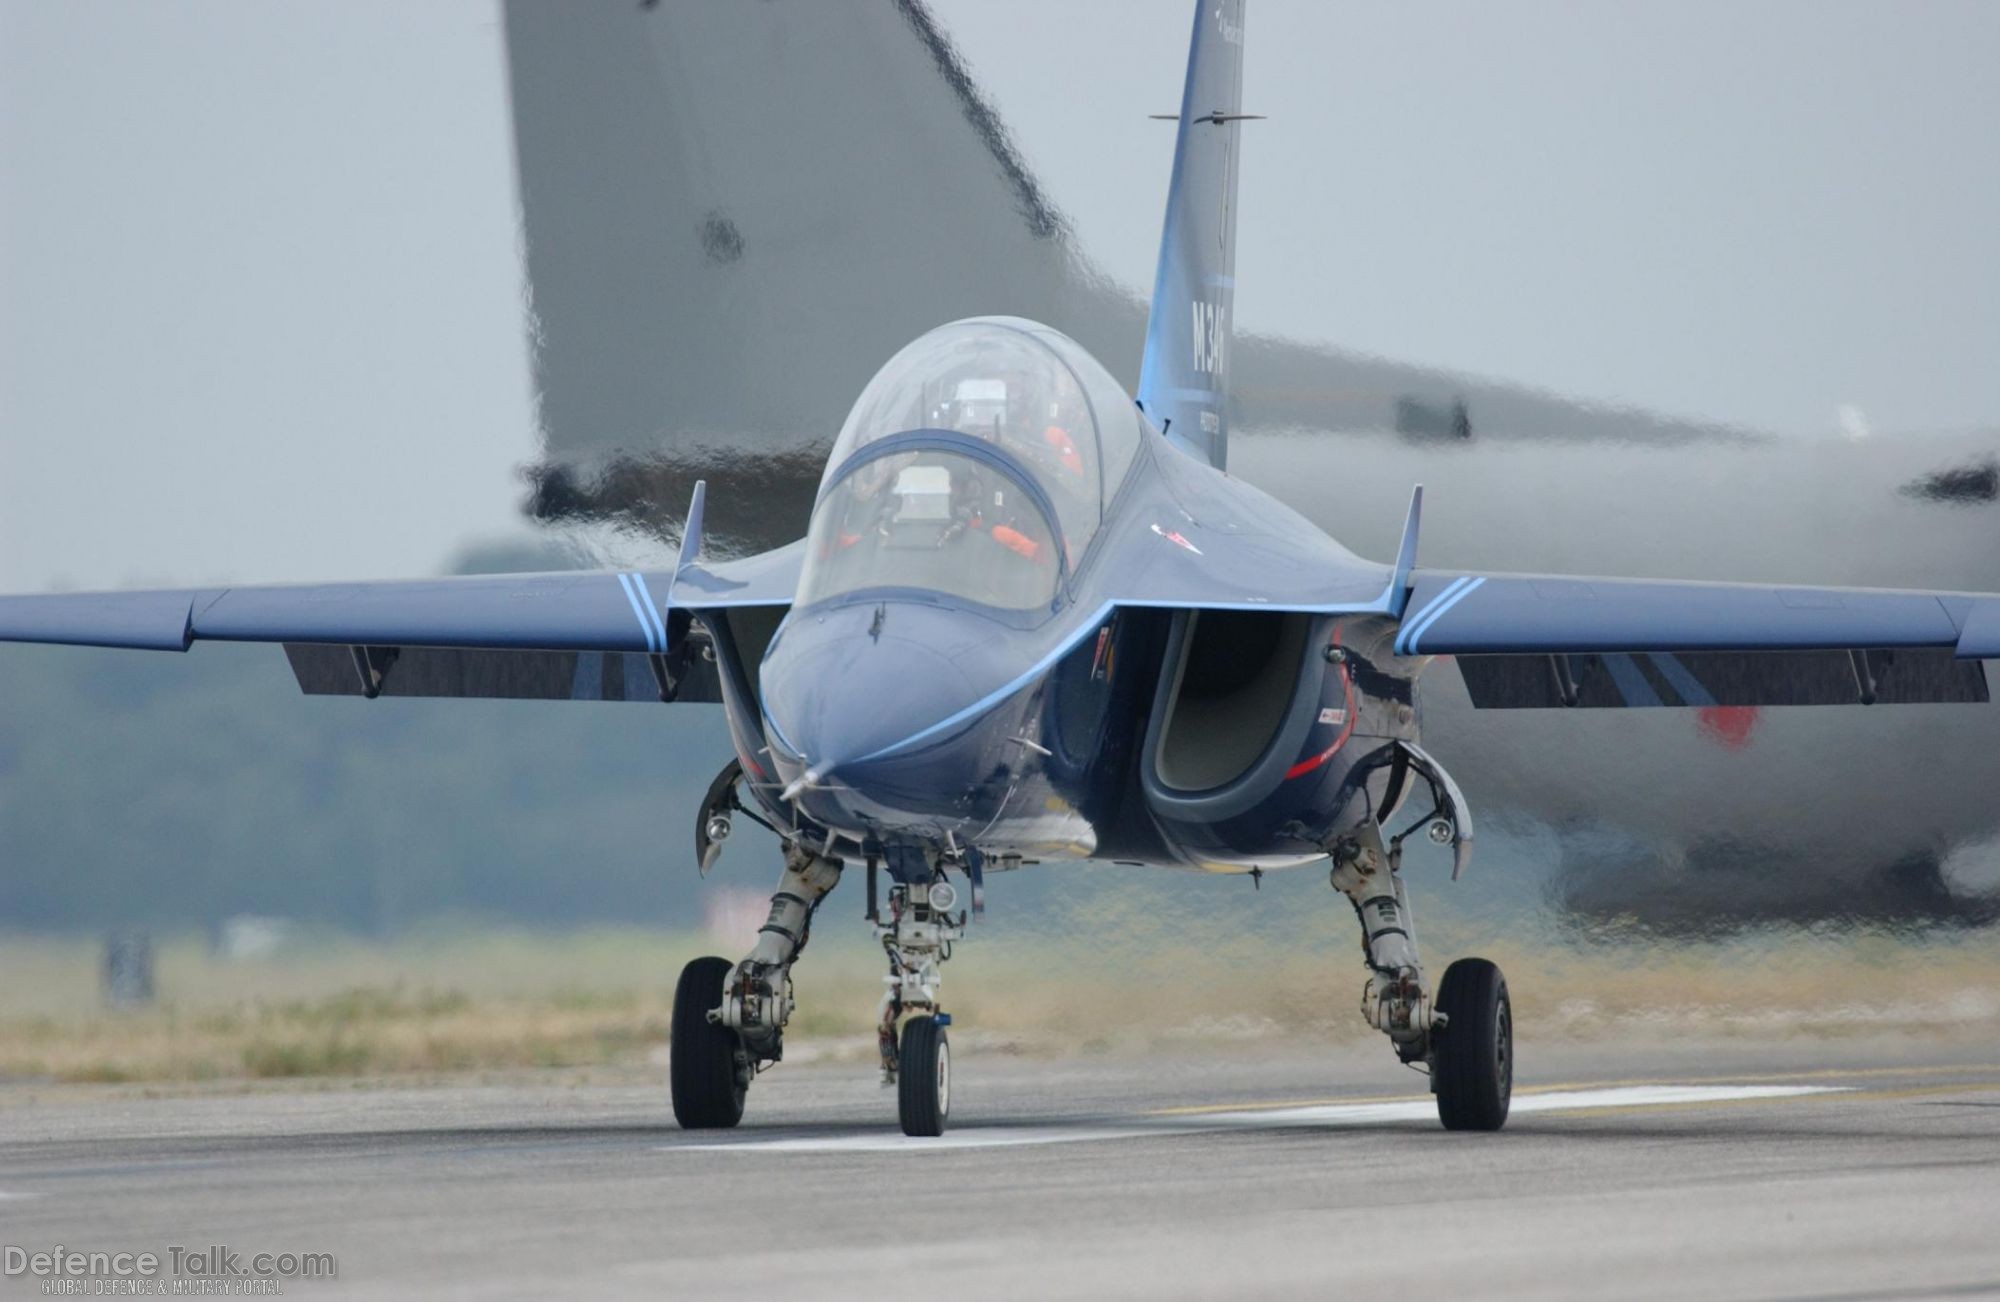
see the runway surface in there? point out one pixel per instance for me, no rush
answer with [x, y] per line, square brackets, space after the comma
[1812, 1169]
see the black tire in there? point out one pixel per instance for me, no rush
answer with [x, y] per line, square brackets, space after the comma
[705, 1066]
[923, 1077]
[1472, 1063]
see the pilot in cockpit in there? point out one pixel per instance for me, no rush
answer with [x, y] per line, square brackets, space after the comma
[977, 407]
[981, 503]
[952, 520]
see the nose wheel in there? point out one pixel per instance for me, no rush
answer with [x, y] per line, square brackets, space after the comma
[923, 1076]
[1472, 1062]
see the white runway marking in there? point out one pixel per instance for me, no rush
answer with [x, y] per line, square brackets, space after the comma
[1314, 1116]
[1616, 1096]
[890, 1140]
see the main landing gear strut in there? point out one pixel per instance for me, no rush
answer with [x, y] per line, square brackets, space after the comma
[1464, 1035]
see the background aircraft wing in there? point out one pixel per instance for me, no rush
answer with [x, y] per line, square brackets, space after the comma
[1526, 641]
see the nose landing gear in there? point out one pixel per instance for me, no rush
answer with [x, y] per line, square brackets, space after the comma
[918, 937]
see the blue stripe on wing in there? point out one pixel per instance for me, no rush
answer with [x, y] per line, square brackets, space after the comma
[659, 626]
[1460, 592]
[1630, 681]
[645, 628]
[1682, 680]
[1415, 626]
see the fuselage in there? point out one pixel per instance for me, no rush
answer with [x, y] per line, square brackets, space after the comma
[964, 668]
[1066, 760]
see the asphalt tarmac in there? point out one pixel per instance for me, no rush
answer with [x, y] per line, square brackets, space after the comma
[1809, 1169]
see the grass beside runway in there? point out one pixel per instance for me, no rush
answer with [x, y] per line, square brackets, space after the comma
[455, 1000]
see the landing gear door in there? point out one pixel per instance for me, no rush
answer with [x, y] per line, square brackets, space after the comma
[1451, 810]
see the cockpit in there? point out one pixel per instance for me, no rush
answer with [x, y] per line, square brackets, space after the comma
[977, 463]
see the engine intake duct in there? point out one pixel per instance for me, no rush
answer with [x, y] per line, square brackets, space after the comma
[1236, 700]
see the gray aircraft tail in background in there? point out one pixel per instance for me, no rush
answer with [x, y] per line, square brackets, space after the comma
[733, 212]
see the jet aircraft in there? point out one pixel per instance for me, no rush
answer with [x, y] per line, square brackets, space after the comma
[689, 325]
[1034, 618]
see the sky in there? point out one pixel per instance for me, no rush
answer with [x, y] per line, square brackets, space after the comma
[261, 309]
[260, 289]
[1756, 213]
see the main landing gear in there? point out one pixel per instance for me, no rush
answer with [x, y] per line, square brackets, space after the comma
[729, 1019]
[1464, 1036]
[708, 1070]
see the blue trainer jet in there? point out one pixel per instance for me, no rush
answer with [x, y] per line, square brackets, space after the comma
[1033, 618]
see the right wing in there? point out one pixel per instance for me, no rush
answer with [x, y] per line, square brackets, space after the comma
[504, 612]
[566, 636]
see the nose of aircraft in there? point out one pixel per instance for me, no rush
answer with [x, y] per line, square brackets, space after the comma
[842, 686]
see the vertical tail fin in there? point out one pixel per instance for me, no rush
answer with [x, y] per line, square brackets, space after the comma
[1184, 378]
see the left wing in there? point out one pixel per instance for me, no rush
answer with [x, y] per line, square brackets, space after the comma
[1528, 640]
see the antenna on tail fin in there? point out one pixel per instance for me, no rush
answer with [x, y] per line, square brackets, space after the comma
[1184, 378]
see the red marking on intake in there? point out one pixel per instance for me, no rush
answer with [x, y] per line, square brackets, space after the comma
[1312, 762]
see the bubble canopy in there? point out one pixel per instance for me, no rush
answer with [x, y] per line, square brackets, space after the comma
[974, 408]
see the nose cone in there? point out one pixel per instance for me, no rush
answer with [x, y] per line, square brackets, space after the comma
[844, 685]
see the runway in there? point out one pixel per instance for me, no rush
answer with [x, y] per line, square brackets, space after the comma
[1812, 1169]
